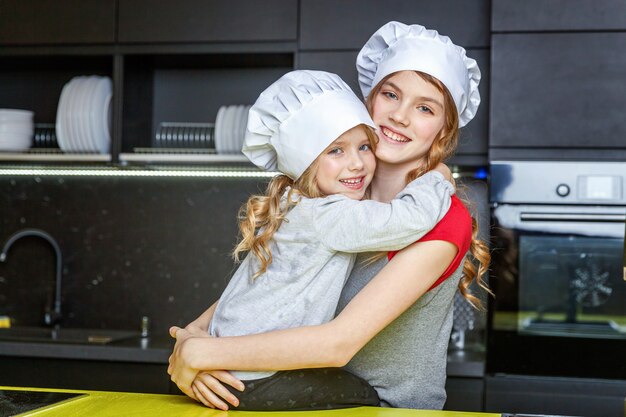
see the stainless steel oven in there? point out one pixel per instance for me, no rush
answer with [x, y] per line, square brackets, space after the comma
[558, 269]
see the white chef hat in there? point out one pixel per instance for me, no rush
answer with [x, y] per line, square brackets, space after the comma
[399, 47]
[297, 117]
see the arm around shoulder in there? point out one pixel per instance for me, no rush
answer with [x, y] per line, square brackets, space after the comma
[361, 226]
[402, 282]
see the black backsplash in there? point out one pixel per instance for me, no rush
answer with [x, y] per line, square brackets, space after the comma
[132, 247]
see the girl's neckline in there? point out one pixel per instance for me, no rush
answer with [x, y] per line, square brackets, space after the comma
[388, 181]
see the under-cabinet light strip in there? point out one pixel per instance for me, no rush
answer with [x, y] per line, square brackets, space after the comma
[48, 172]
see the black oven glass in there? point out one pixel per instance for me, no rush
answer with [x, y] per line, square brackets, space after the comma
[560, 298]
[571, 286]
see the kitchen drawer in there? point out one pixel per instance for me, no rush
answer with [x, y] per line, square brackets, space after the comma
[207, 21]
[546, 15]
[464, 394]
[29, 22]
[86, 374]
[558, 90]
[348, 24]
[562, 396]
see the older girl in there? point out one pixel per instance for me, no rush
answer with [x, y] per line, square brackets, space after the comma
[395, 316]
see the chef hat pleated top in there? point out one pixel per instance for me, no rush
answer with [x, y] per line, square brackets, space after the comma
[297, 117]
[399, 47]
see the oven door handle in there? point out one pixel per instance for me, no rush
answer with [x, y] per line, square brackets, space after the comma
[573, 217]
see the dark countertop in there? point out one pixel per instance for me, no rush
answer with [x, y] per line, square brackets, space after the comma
[157, 349]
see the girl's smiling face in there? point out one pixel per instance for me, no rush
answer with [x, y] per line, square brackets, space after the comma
[409, 113]
[347, 165]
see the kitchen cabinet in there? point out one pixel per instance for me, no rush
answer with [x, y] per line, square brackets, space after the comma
[342, 63]
[179, 61]
[181, 87]
[50, 22]
[32, 80]
[561, 396]
[464, 394]
[558, 91]
[207, 21]
[557, 15]
[161, 79]
[348, 24]
[86, 374]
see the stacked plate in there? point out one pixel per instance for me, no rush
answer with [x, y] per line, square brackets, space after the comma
[230, 128]
[84, 115]
[16, 129]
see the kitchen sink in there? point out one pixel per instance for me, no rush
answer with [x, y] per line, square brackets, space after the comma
[65, 335]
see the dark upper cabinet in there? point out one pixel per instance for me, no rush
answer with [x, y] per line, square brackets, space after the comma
[564, 90]
[348, 24]
[342, 63]
[546, 15]
[207, 21]
[29, 22]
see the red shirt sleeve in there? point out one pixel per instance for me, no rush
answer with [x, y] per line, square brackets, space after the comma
[456, 228]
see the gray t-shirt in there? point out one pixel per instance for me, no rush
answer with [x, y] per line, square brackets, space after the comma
[313, 253]
[406, 361]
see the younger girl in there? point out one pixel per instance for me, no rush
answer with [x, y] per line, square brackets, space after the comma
[303, 235]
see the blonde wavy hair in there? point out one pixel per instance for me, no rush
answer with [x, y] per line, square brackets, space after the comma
[261, 216]
[477, 262]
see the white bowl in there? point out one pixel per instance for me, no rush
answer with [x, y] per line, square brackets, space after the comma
[15, 142]
[15, 114]
[15, 127]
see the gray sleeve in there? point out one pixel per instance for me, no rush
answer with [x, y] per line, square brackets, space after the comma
[347, 225]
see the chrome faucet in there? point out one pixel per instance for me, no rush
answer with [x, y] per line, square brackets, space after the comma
[53, 317]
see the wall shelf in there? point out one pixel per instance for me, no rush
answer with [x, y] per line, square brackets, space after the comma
[183, 157]
[52, 157]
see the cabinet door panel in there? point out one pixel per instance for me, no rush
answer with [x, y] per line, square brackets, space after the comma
[558, 90]
[541, 15]
[202, 21]
[27, 22]
[342, 63]
[348, 24]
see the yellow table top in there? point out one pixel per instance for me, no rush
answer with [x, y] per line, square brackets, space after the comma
[102, 403]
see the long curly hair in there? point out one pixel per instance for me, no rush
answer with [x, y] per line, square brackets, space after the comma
[477, 262]
[261, 216]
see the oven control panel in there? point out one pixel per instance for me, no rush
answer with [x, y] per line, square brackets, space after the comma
[600, 187]
[558, 182]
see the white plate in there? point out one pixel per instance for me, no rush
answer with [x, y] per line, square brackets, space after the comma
[226, 129]
[219, 119]
[81, 115]
[91, 137]
[60, 127]
[101, 113]
[244, 125]
[236, 128]
[68, 117]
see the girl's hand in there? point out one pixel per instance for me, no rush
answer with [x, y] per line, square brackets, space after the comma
[445, 171]
[181, 371]
[209, 389]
